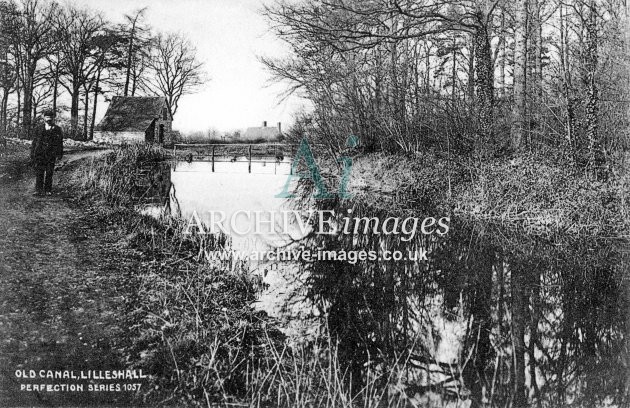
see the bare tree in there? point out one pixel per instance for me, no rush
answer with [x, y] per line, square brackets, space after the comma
[31, 31]
[79, 28]
[105, 62]
[136, 36]
[355, 27]
[175, 70]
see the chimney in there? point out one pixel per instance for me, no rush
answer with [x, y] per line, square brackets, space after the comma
[265, 123]
[279, 127]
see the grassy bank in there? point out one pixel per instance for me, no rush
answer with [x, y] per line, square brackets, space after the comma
[543, 194]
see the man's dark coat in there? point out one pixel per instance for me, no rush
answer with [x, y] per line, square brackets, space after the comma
[47, 145]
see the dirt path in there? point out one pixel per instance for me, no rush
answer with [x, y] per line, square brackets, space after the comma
[64, 288]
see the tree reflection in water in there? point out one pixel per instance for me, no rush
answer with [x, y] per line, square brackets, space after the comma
[497, 316]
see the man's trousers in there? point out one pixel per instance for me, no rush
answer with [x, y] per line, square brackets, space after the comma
[43, 176]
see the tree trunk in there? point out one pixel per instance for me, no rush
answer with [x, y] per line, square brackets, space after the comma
[484, 87]
[416, 82]
[27, 107]
[595, 153]
[538, 48]
[502, 58]
[427, 74]
[454, 71]
[520, 70]
[3, 112]
[568, 88]
[19, 109]
[133, 87]
[3, 109]
[56, 87]
[394, 94]
[18, 90]
[98, 80]
[538, 68]
[471, 71]
[134, 78]
[129, 59]
[86, 109]
[74, 107]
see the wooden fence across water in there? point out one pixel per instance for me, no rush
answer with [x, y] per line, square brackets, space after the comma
[230, 152]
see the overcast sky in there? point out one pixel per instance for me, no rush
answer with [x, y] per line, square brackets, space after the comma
[229, 35]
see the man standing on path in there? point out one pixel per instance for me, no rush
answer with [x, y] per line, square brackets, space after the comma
[47, 147]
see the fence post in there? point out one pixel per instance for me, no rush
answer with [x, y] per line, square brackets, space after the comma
[250, 159]
[213, 159]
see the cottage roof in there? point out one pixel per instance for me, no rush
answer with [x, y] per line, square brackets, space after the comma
[267, 133]
[131, 113]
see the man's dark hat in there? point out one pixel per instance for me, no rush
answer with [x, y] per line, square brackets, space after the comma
[48, 112]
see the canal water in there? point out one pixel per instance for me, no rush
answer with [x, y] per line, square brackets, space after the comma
[492, 317]
[236, 192]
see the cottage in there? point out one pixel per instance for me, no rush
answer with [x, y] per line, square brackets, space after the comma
[262, 133]
[132, 119]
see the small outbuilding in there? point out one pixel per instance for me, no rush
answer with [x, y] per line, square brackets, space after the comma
[135, 119]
